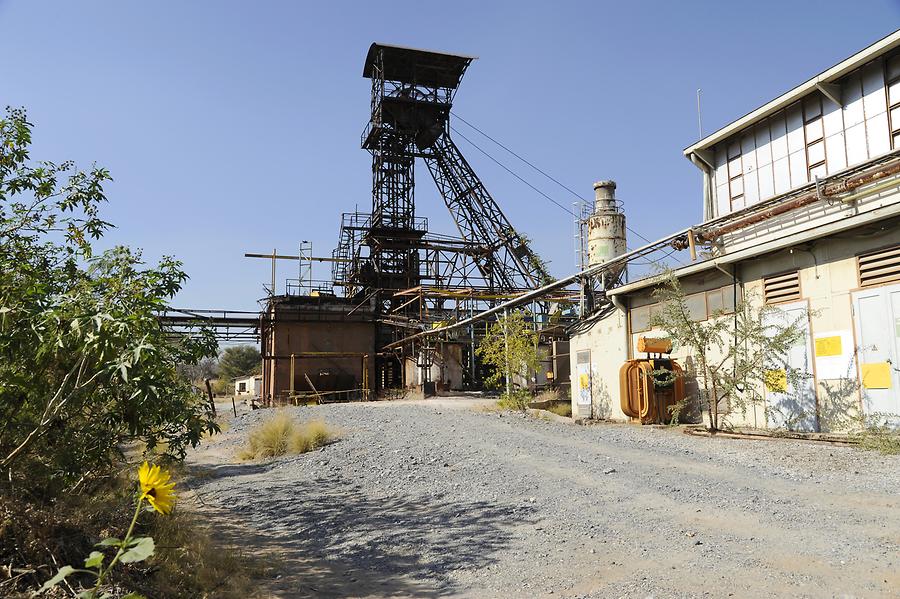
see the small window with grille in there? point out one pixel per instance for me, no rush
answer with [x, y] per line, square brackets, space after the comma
[782, 288]
[878, 268]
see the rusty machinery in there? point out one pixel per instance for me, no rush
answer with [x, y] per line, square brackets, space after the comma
[652, 385]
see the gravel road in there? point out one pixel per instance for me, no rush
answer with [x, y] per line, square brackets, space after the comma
[437, 499]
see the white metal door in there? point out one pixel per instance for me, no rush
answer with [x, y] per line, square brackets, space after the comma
[795, 407]
[877, 314]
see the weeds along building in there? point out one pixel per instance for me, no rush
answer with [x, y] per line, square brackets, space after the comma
[801, 211]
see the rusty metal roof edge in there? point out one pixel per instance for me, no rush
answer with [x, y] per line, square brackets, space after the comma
[368, 64]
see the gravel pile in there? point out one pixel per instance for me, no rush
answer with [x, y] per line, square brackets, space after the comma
[436, 499]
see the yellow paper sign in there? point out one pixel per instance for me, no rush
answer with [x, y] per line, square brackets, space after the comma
[876, 375]
[828, 346]
[776, 380]
[584, 381]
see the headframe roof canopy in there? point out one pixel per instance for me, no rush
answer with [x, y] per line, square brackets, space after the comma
[418, 67]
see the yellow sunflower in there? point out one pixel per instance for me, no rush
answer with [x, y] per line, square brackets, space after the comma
[156, 488]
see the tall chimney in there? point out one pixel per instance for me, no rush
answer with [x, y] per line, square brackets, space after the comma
[606, 228]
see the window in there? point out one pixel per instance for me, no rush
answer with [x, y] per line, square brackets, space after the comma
[735, 175]
[782, 288]
[878, 268]
[893, 86]
[815, 136]
[720, 300]
[700, 306]
[696, 306]
[242, 387]
[640, 317]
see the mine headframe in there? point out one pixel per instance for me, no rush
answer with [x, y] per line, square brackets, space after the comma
[412, 95]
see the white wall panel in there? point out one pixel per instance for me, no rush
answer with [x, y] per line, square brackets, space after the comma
[856, 144]
[798, 168]
[723, 202]
[766, 181]
[853, 104]
[778, 134]
[877, 135]
[835, 152]
[720, 176]
[795, 128]
[833, 118]
[763, 145]
[751, 184]
[782, 175]
[874, 100]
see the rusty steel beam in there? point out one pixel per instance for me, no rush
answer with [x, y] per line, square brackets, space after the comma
[828, 190]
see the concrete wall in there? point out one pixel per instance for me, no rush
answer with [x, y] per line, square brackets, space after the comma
[605, 346]
[828, 278]
[447, 369]
[252, 384]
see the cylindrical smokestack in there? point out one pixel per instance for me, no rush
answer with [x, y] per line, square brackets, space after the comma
[604, 196]
[606, 228]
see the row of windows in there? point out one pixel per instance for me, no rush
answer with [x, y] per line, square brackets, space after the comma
[812, 138]
[700, 306]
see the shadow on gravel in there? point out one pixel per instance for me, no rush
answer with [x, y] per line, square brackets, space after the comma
[330, 539]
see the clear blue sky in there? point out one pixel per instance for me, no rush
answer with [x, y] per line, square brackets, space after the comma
[234, 126]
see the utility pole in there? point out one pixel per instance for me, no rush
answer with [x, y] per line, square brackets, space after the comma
[506, 349]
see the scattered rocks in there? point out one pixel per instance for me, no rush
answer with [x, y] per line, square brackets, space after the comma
[531, 505]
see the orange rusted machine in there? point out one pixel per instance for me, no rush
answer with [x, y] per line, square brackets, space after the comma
[650, 386]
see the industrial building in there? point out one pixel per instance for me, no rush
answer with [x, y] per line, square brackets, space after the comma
[801, 209]
[393, 278]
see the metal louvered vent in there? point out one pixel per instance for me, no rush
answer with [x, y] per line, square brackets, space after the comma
[782, 288]
[879, 267]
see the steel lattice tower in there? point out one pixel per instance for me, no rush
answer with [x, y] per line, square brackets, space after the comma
[412, 95]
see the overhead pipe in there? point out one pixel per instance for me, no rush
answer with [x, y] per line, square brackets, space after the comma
[545, 289]
[811, 197]
[678, 240]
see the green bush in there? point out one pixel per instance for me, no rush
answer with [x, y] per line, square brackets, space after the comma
[517, 399]
[85, 366]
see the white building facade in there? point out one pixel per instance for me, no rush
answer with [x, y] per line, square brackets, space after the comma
[802, 208]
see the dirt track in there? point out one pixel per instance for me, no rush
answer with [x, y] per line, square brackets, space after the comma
[437, 499]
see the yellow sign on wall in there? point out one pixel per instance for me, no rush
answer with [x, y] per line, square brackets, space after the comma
[584, 381]
[776, 380]
[828, 346]
[876, 375]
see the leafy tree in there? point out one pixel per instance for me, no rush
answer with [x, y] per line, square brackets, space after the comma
[736, 356]
[510, 348]
[207, 368]
[84, 364]
[239, 360]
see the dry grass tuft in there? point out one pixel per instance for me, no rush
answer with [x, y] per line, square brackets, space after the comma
[547, 395]
[281, 434]
[882, 439]
[561, 409]
[489, 408]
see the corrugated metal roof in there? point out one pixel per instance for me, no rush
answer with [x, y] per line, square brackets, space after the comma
[417, 66]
